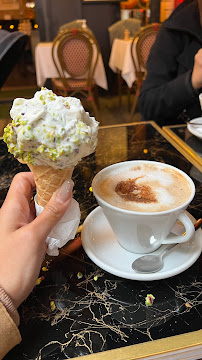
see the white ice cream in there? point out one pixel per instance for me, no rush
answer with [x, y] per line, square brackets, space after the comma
[50, 130]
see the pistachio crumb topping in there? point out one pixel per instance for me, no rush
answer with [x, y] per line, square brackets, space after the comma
[50, 130]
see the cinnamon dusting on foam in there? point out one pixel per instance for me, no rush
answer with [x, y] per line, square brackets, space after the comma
[130, 191]
[144, 187]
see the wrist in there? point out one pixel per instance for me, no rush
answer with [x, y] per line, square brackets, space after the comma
[8, 304]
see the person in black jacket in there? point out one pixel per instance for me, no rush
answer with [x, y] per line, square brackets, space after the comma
[173, 83]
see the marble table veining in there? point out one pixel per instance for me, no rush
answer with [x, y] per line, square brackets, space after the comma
[99, 311]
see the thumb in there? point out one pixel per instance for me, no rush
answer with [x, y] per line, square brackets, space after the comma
[53, 211]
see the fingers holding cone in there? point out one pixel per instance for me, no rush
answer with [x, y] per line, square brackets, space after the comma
[48, 180]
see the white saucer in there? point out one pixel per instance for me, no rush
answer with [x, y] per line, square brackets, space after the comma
[100, 244]
[194, 129]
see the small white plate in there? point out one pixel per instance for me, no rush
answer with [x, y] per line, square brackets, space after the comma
[194, 129]
[100, 244]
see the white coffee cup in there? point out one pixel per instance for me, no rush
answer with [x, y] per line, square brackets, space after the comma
[144, 231]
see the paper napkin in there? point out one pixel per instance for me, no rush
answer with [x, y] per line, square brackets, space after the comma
[65, 229]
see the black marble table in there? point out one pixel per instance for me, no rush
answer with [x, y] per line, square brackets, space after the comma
[99, 313]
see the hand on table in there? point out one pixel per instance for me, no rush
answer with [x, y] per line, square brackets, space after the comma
[196, 78]
[22, 243]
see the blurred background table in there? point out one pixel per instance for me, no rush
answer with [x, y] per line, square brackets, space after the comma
[121, 60]
[45, 67]
[96, 311]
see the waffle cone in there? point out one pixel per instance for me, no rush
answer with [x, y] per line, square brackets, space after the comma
[48, 180]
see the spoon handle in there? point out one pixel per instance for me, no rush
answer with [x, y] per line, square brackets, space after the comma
[194, 123]
[168, 248]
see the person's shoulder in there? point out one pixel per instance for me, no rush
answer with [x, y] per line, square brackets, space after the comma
[184, 18]
[184, 8]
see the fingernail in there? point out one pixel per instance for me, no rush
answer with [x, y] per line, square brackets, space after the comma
[64, 192]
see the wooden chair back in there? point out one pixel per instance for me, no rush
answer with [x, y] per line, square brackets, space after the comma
[141, 46]
[75, 51]
[143, 41]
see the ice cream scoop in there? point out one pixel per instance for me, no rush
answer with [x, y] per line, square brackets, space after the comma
[50, 130]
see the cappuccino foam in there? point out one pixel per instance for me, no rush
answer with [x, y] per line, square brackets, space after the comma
[143, 188]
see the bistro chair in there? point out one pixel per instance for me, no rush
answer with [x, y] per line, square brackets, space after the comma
[141, 45]
[75, 55]
[117, 29]
[78, 24]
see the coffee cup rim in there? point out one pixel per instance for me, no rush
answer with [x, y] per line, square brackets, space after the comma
[131, 212]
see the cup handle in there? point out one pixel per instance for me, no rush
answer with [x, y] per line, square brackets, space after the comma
[189, 228]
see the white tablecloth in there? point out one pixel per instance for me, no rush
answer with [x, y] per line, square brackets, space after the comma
[45, 67]
[120, 59]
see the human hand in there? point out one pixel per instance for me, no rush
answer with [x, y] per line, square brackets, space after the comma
[196, 78]
[22, 244]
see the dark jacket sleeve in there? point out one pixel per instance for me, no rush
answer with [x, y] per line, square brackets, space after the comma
[166, 93]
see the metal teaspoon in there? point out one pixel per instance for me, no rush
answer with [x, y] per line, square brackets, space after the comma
[153, 263]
